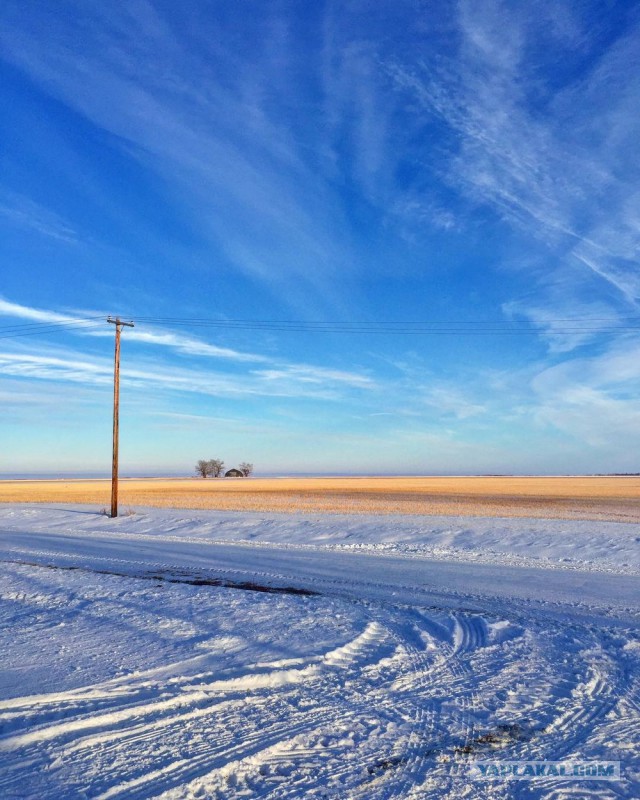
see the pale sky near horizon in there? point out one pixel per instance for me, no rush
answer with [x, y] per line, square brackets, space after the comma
[469, 165]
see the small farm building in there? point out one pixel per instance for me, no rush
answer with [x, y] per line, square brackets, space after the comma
[233, 473]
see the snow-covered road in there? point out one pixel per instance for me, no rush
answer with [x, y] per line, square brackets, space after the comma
[370, 658]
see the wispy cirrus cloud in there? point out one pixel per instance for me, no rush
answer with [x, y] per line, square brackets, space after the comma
[193, 347]
[223, 144]
[83, 324]
[18, 311]
[78, 368]
[600, 414]
[30, 216]
[75, 370]
[557, 162]
[308, 374]
[277, 378]
[451, 401]
[257, 147]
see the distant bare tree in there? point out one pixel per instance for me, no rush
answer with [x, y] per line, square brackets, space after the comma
[216, 465]
[246, 469]
[202, 468]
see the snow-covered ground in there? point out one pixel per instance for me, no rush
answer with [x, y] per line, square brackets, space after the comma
[185, 654]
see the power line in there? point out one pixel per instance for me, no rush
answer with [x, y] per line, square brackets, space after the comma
[403, 328]
[36, 328]
[450, 327]
[216, 321]
[50, 323]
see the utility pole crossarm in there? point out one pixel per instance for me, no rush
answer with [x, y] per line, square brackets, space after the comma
[116, 411]
[118, 321]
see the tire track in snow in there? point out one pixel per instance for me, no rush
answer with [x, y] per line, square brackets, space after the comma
[392, 772]
[589, 703]
[161, 711]
[424, 672]
[181, 773]
[260, 764]
[341, 657]
[470, 633]
[257, 747]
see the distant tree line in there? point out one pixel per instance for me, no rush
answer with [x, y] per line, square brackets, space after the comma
[214, 468]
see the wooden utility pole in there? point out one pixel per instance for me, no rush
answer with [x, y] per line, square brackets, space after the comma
[116, 413]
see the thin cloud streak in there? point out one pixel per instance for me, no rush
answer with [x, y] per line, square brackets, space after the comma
[24, 213]
[17, 311]
[178, 342]
[556, 176]
[106, 72]
[305, 383]
[187, 345]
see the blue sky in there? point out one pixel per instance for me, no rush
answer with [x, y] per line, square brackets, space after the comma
[463, 163]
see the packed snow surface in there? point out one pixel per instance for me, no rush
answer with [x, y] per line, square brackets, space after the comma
[185, 654]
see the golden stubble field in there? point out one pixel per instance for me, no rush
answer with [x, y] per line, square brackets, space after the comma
[599, 498]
